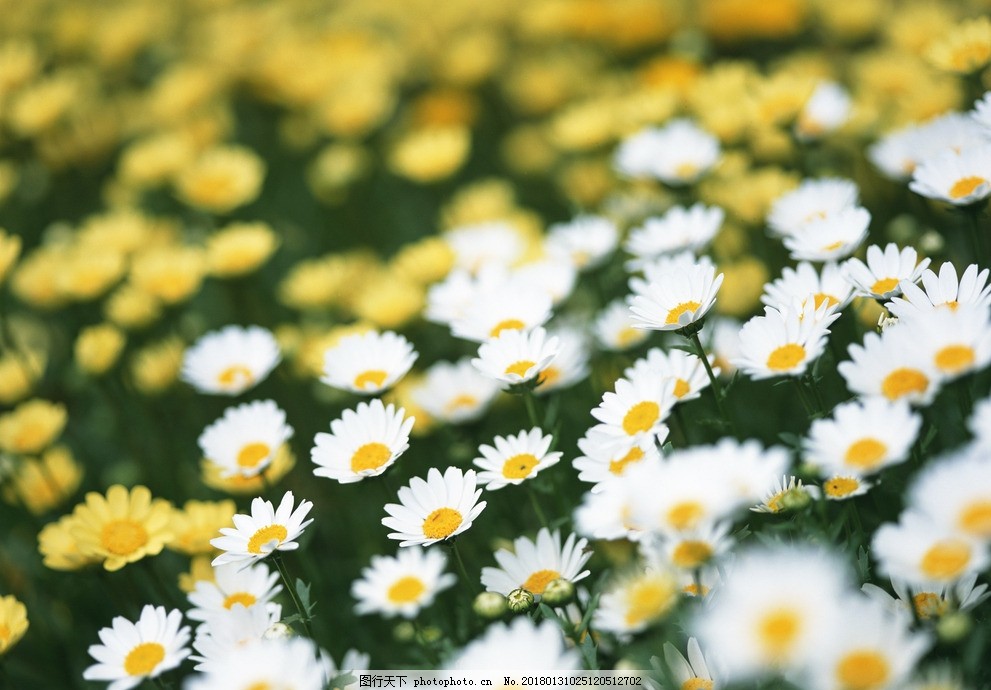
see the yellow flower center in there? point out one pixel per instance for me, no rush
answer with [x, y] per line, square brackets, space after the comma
[629, 335]
[681, 388]
[821, 298]
[461, 401]
[841, 487]
[123, 537]
[884, 285]
[691, 554]
[372, 378]
[252, 454]
[832, 246]
[685, 515]
[975, 518]
[862, 670]
[506, 325]
[406, 590]
[954, 358]
[265, 536]
[865, 454]
[235, 376]
[537, 582]
[619, 466]
[686, 170]
[260, 685]
[370, 456]
[550, 376]
[647, 600]
[692, 590]
[778, 631]
[245, 599]
[966, 186]
[675, 314]
[904, 381]
[520, 368]
[441, 523]
[929, 604]
[143, 659]
[641, 417]
[519, 466]
[697, 683]
[946, 559]
[785, 357]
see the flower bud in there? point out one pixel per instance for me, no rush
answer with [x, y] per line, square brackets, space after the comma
[796, 498]
[954, 627]
[490, 605]
[520, 600]
[558, 592]
[277, 631]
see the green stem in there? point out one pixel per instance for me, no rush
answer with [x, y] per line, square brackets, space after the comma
[816, 395]
[536, 506]
[803, 395]
[531, 408]
[977, 239]
[461, 566]
[717, 389]
[291, 588]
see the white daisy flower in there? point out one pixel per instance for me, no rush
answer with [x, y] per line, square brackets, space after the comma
[862, 437]
[364, 442]
[980, 424]
[520, 645]
[981, 114]
[516, 356]
[840, 487]
[796, 285]
[455, 392]
[368, 363]
[776, 610]
[921, 551]
[677, 299]
[231, 360]
[531, 565]
[607, 513]
[942, 291]
[955, 492]
[614, 328]
[490, 243]
[605, 455]
[586, 241]
[880, 277]
[131, 652]
[684, 368]
[695, 548]
[244, 441]
[834, 237]
[929, 602]
[233, 584]
[956, 342]
[813, 200]
[886, 365]
[900, 152]
[827, 109]
[518, 305]
[226, 630]
[438, 508]
[692, 673]
[448, 300]
[723, 342]
[402, 585]
[569, 366]
[654, 269]
[635, 601]
[286, 662]
[960, 179]
[679, 229]
[747, 467]
[267, 529]
[515, 459]
[784, 343]
[876, 650]
[637, 408]
[550, 276]
[677, 154]
[774, 500]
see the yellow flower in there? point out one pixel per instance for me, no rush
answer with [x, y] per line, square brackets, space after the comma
[31, 426]
[10, 249]
[197, 523]
[912, 27]
[356, 107]
[17, 375]
[964, 49]
[42, 484]
[389, 301]
[19, 62]
[131, 307]
[39, 106]
[430, 154]
[88, 272]
[425, 261]
[222, 179]
[122, 527]
[98, 347]
[240, 248]
[123, 231]
[401, 395]
[743, 281]
[155, 160]
[327, 281]
[156, 367]
[35, 280]
[9, 177]
[13, 622]
[239, 484]
[730, 20]
[59, 549]
[200, 570]
[171, 273]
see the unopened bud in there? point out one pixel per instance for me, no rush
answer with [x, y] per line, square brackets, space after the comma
[277, 631]
[520, 600]
[953, 627]
[558, 592]
[490, 605]
[796, 498]
[404, 632]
